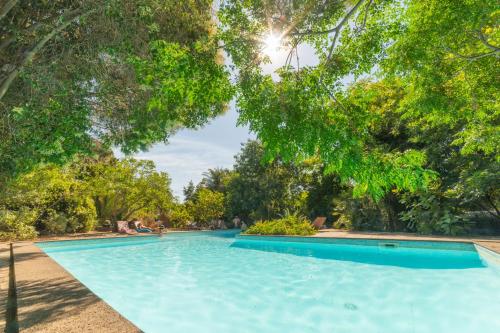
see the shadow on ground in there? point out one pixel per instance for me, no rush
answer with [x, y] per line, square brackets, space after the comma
[19, 257]
[49, 300]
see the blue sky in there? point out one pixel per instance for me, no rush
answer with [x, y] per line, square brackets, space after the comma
[189, 153]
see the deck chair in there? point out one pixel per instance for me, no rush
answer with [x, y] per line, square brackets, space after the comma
[123, 228]
[139, 229]
[319, 222]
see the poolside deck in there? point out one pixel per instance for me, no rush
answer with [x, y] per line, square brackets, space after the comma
[51, 300]
[490, 242]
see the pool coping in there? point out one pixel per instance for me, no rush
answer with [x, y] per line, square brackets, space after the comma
[492, 243]
[377, 242]
[34, 266]
[50, 299]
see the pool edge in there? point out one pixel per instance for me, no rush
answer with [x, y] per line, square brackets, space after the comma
[492, 244]
[36, 272]
[488, 255]
[406, 243]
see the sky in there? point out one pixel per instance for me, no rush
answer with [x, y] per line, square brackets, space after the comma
[189, 153]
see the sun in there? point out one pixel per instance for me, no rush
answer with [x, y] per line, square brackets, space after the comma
[272, 44]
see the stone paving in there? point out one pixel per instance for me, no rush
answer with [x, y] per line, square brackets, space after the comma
[489, 242]
[50, 299]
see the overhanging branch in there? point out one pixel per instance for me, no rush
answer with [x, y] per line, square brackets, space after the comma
[485, 42]
[7, 7]
[28, 57]
[338, 28]
[474, 56]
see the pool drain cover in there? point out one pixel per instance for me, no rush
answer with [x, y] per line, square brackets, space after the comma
[350, 306]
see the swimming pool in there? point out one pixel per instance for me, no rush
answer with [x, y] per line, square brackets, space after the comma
[216, 282]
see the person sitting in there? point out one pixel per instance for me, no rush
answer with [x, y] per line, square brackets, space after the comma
[141, 227]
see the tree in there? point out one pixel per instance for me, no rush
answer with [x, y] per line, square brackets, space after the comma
[262, 191]
[465, 183]
[51, 199]
[73, 198]
[215, 179]
[179, 216]
[449, 75]
[451, 85]
[124, 73]
[124, 189]
[189, 191]
[322, 191]
[208, 206]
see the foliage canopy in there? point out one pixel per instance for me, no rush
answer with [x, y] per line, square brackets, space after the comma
[444, 54]
[122, 72]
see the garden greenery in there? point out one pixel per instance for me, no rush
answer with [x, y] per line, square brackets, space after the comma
[287, 225]
[75, 75]
[395, 126]
[81, 196]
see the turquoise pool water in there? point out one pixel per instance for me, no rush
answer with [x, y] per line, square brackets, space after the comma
[214, 282]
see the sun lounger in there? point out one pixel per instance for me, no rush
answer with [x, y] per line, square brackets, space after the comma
[139, 229]
[123, 228]
[319, 222]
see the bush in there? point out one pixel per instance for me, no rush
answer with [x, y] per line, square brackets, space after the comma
[83, 215]
[208, 206]
[429, 213]
[179, 216]
[79, 215]
[55, 222]
[288, 225]
[356, 214]
[17, 225]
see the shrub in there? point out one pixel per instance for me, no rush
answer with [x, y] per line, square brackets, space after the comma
[179, 216]
[54, 222]
[79, 215]
[208, 206]
[429, 213]
[356, 214]
[288, 225]
[17, 225]
[83, 215]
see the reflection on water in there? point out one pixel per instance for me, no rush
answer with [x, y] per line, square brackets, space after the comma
[402, 257]
[90, 244]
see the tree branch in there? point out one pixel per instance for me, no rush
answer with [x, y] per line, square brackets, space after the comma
[28, 57]
[487, 210]
[332, 96]
[483, 40]
[365, 17]
[8, 40]
[492, 203]
[7, 7]
[473, 57]
[338, 28]
[312, 32]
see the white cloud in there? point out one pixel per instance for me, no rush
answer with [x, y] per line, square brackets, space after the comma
[189, 153]
[185, 159]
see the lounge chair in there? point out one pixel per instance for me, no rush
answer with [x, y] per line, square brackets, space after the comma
[138, 227]
[319, 222]
[123, 228]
